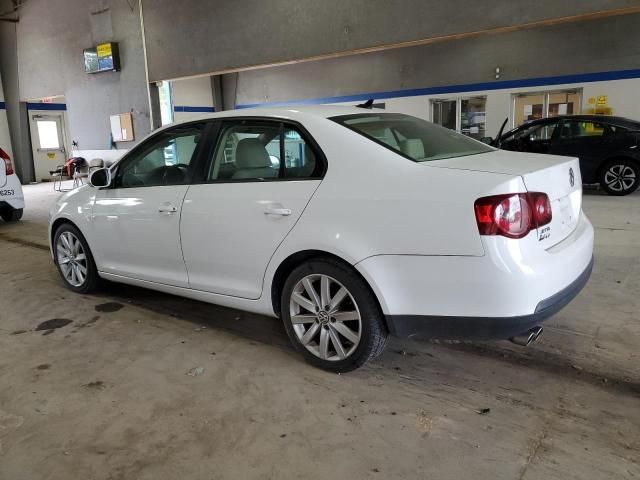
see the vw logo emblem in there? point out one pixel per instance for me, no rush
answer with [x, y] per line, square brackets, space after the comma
[572, 177]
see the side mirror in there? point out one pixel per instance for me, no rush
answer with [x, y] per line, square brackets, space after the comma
[487, 140]
[100, 178]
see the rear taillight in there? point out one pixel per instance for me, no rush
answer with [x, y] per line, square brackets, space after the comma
[7, 162]
[540, 208]
[512, 215]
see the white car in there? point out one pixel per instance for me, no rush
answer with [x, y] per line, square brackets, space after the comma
[370, 224]
[11, 197]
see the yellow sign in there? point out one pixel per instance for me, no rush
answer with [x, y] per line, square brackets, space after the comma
[104, 50]
[592, 100]
[602, 100]
[51, 156]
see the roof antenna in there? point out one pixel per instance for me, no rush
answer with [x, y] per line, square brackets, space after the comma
[368, 104]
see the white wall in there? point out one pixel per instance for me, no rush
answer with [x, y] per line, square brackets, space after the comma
[623, 97]
[193, 92]
[5, 141]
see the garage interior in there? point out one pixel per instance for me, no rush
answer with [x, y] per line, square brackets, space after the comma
[135, 384]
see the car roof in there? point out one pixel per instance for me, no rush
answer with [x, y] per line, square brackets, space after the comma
[292, 112]
[609, 119]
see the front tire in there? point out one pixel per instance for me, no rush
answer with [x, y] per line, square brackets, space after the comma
[331, 316]
[74, 260]
[620, 177]
[11, 214]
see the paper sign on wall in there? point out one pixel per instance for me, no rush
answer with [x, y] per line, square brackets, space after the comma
[528, 110]
[562, 109]
[116, 128]
[121, 127]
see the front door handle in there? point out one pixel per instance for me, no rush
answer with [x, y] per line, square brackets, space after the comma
[283, 212]
[167, 208]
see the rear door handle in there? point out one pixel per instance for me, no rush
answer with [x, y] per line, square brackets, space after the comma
[167, 208]
[283, 212]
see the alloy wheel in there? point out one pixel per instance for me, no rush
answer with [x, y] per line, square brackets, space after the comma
[325, 317]
[72, 259]
[620, 177]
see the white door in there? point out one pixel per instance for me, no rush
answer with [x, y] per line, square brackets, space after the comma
[136, 222]
[47, 141]
[259, 182]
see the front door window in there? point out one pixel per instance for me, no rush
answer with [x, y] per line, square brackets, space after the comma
[534, 138]
[165, 160]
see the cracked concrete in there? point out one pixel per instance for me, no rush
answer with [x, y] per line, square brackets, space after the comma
[115, 402]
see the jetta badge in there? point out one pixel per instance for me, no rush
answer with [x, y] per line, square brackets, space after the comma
[572, 177]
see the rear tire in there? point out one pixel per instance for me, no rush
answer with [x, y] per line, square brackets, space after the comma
[11, 214]
[620, 177]
[342, 337]
[74, 260]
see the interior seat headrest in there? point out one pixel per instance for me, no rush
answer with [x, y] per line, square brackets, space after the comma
[251, 153]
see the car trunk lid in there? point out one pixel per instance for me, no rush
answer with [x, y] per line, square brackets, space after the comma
[558, 177]
[563, 184]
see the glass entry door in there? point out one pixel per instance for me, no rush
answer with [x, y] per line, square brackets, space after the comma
[464, 115]
[533, 106]
[473, 117]
[47, 142]
[563, 103]
[445, 113]
[528, 107]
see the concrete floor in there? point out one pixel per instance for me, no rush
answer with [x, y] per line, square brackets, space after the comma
[108, 395]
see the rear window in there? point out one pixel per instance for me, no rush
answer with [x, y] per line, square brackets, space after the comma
[412, 137]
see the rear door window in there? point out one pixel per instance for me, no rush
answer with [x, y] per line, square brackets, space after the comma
[583, 129]
[260, 151]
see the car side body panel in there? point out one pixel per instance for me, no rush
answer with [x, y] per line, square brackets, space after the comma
[409, 228]
[75, 206]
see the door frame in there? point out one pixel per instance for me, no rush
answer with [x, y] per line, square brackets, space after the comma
[33, 115]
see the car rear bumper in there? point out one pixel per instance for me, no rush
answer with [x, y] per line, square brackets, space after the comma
[485, 328]
[11, 195]
[514, 286]
[14, 203]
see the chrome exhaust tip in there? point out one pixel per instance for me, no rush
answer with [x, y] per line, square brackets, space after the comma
[527, 338]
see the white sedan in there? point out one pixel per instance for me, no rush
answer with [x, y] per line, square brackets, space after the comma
[11, 197]
[348, 224]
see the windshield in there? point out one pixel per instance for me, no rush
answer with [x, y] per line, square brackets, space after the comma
[412, 137]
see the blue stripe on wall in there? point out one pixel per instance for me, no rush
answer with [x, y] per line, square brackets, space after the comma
[46, 106]
[186, 109]
[2, 106]
[468, 87]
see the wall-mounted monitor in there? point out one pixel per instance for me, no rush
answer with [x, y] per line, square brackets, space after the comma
[104, 57]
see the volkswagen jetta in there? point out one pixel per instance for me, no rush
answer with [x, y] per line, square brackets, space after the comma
[348, 224]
